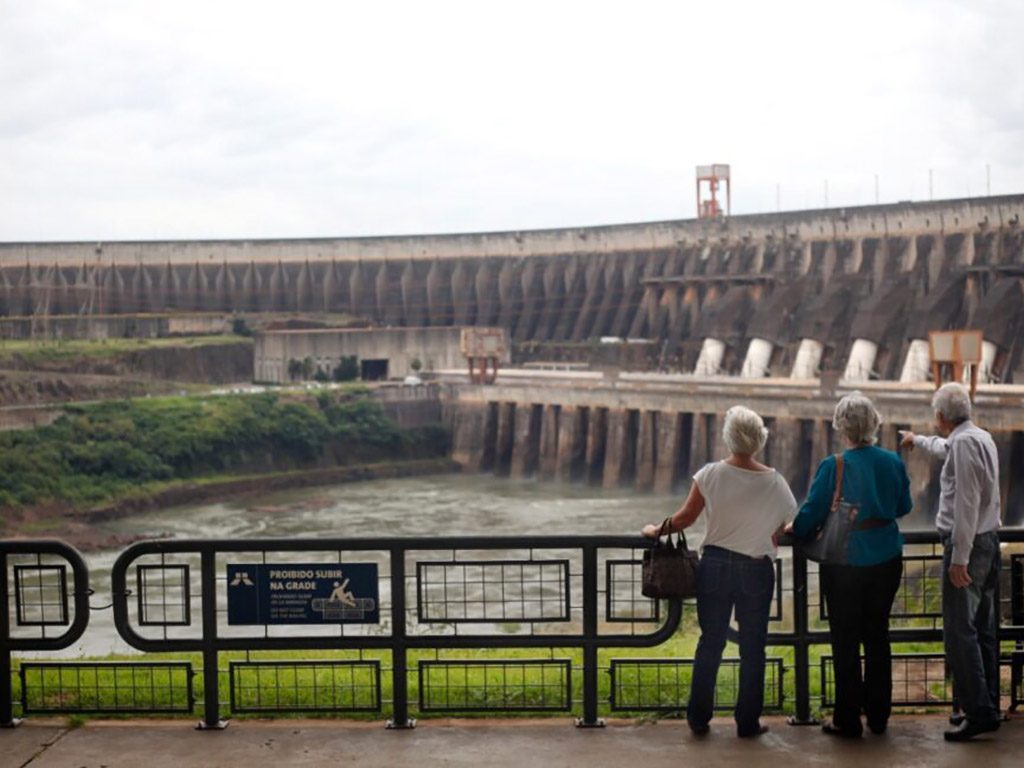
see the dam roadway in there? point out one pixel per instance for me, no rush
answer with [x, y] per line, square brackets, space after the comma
[653, 431]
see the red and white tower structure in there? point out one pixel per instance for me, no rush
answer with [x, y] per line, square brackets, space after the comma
[708, 179]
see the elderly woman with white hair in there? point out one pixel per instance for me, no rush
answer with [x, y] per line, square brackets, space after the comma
[859, 594]
[747, 503]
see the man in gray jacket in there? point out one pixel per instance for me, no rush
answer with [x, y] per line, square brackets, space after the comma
[968, 521]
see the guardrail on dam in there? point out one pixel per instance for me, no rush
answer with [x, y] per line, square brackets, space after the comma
[772, 293]
[432, 625]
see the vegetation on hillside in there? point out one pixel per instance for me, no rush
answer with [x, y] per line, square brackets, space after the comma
[101, 452]
[48, 350]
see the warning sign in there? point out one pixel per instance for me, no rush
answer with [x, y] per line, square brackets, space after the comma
[303, 593]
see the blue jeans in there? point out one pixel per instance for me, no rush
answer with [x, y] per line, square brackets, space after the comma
[969, 628]
[727, 580]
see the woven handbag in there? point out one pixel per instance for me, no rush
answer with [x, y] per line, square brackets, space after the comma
[669, 570]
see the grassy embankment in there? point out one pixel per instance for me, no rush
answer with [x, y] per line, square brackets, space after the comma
[99, 454]
[50, 350]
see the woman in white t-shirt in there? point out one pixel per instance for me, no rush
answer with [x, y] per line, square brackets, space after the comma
[747, 504]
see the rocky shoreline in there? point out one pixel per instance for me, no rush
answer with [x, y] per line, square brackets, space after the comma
[78, 526]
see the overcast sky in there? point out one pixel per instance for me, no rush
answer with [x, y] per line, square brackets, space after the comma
[191, 119]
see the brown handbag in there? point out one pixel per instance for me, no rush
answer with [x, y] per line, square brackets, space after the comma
[669, 570]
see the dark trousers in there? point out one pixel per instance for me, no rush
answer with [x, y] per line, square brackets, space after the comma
[727, 580]
[969, 622]
[859, 601]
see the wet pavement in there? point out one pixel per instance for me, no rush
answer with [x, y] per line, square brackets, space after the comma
[910, 741]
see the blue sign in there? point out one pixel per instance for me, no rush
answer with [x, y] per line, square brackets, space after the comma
[303, 593]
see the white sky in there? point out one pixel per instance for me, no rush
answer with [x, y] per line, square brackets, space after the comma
[160, 119]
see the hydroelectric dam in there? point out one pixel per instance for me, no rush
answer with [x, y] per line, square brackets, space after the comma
[783, 311]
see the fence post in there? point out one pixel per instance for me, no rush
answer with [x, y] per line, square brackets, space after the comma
[590, 640]
[801, 645]
[211, 674]
[6, 691]
[399, 669]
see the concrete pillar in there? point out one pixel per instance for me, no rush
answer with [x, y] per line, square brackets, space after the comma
[646, 450]
[573, 292]
[709, 362]
[967, 253]
[936, 258]
[510, 295]
[504, 439]
[791, 450]
[572, 443]
[554, 297]
[821, 446]
[828, 261]
[917, 364]
[701, 441]
[462, 294]
[806, 257]
[593, 288]
[758, 359]
[548, 460]
[909, 260]
[853, 264]
[668, 443]
[597, 440]
[532, 284]
[468, 427]
[486, 294]
[808, 358]
[526, 447]
[988, 360]
[615, 448]
[862, 360]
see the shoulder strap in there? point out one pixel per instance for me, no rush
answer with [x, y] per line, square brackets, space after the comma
[837, 496]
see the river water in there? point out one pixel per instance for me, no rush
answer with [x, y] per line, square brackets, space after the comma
[437, 505]
[421, 506]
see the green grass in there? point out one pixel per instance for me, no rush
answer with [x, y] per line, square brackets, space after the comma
[470, 686]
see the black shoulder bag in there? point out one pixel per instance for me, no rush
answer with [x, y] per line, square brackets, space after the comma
[669, 570]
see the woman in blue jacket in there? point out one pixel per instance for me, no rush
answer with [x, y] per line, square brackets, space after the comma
[859, 595]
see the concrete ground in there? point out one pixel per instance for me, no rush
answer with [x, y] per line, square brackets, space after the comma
[911, 741]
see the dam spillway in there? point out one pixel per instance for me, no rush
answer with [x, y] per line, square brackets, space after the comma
[651, 432]
[848, 289]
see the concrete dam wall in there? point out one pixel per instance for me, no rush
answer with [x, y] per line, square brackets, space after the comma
[789, 294]
[653, 433]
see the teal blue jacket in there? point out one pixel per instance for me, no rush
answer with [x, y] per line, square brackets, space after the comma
[876, 481]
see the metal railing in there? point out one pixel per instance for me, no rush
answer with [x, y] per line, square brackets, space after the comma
[41, 589]
[416, 611]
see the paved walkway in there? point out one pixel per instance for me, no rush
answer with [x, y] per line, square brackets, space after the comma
[911, 741]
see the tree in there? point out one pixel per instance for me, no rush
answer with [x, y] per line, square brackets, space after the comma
[347, 369]
[308, 368]
[294, 369]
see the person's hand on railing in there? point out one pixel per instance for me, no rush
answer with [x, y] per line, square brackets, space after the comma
[651, 531]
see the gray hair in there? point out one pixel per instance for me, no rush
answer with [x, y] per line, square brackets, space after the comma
[953, 401]
[856, 419]
[743, 431]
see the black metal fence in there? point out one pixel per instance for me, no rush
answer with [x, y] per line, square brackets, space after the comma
[441, 625]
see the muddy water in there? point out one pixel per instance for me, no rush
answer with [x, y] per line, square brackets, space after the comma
[422, 506]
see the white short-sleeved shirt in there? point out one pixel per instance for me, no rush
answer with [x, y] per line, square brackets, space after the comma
[744, 507]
